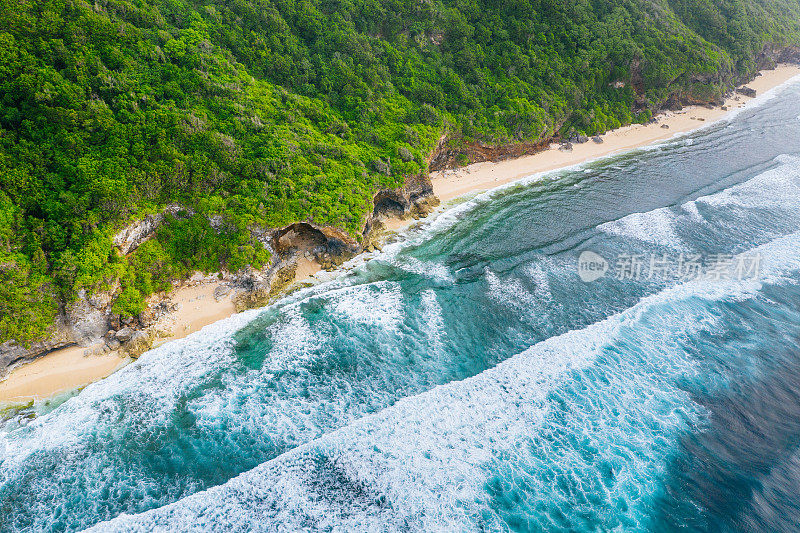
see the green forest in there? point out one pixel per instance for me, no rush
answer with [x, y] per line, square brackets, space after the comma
[262, 113]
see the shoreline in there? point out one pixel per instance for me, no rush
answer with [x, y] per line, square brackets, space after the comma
[72, 368]
[449, 185]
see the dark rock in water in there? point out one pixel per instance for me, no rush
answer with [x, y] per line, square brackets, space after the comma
[747, 91]
[566, 147]
[598, 139]
[665, 126]
[582, 139]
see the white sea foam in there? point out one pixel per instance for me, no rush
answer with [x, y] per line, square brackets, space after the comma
[432, 318]
[377, 304]
[157, 378]
[537, 273]
[777, 187]
[427, 269]
[656, 227]
[690, 208]
[293, 340]
[510, 292]
[424, 462]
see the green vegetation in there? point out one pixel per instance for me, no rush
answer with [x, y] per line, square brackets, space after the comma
[266, 112]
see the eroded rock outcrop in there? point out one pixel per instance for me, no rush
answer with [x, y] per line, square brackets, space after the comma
[746, 91]
[137, 233]
[90, 321]
[13, 354]
[454, 157]
[327, 245]
[415, 200]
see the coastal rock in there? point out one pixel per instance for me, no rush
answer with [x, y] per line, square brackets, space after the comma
[665, 126]
[113, 344]
[597, 139]
[565, 147]
[157, 308]
[164, 327]
[414, 198]
[140, 342]
[260, 288]
[302, 237]
[221, 291]
[124, 335]
[446, 156]
[790, 54]
[746, 91]
[13, 354]
[88, 316]
[137, 233]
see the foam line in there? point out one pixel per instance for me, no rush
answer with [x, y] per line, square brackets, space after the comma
[424, 463]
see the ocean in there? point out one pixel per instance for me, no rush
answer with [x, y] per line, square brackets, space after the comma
[476, 375]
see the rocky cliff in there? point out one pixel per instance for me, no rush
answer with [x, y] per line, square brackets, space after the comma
[89, 320]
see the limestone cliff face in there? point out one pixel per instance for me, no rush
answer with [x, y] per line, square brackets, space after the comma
[83, 322]
[13, 354]
[329, 246]
[700, 89]
[414, 199]
[89, 320]
[134, 235]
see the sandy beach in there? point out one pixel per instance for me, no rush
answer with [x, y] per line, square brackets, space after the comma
[451, 184]
[72, 368]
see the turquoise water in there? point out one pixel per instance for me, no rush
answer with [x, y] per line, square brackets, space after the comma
[467, 379]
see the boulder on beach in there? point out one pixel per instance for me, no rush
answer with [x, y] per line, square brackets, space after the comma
[746, 91]
[598, 139]
[566, 147]
[665, 126]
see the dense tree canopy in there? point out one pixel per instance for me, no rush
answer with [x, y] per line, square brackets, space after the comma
[266, 112]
